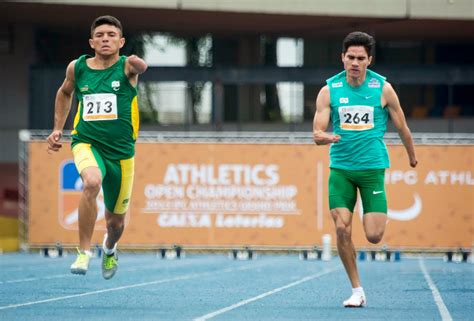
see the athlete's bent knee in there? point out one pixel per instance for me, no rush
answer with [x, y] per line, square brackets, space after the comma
[343, 233]
[374, 238]
[92, 185]
[115, 222]
[115, 225]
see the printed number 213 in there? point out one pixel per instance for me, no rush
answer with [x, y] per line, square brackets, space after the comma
[107, 108]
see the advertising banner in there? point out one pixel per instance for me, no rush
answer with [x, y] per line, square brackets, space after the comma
[269, 195]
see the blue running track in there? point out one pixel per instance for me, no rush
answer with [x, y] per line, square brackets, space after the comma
[213, 287]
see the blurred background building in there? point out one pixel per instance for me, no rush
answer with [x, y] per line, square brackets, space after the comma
[237, 65]
[241, 65]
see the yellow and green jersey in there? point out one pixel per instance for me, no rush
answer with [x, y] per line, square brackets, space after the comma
[358, 117]
[107, 112]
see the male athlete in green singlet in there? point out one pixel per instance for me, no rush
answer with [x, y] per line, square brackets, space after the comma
[103, 139]
[359, 102]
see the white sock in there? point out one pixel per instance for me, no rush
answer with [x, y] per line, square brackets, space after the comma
[359, 290]
[107, 250]
[89, 253]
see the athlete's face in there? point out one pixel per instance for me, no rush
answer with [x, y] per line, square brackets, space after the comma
[356, 60]
[106, 40]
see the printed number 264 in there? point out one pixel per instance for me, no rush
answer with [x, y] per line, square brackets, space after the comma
[355, 119]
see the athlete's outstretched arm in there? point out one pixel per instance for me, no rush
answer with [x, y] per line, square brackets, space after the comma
[398, 118]
[62, 106]
[321, 119]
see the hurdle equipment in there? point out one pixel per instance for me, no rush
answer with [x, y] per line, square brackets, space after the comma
[59, 248]
[97, 251]
[397, 256]
[52, 252]
[372, 256]
[382, 255]
[44, 252]
[243, 254]
[465, 255]
[362, 255]
[312, 254]
[176, 252]
[459, 256]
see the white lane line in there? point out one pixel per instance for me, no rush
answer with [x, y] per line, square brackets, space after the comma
[59, 276]
[443, 310]
[32, 264]
[50, 277]
[263, 295]
[28, 266]
[178, 278]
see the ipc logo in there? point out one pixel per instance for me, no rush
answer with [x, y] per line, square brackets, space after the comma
[70, 190]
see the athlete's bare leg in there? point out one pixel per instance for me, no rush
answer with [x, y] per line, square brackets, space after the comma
[343, 220]
[374, 226]
[115, 226]
[92, 180]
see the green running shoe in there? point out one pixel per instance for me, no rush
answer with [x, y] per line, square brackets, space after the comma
[109, 265]
[81, 264]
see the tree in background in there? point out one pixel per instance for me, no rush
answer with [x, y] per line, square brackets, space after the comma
[198, 54]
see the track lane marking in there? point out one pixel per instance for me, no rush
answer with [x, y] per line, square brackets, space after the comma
[178, 278]
[65, 275]
[263, 295]
[443, 310]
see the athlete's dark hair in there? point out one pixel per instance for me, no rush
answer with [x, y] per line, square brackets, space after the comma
[359, 38]
[106, 20]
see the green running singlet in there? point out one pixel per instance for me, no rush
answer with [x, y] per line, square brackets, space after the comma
[358, 117]
[107, 112]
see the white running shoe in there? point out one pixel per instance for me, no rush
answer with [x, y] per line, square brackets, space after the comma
[357, 300]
